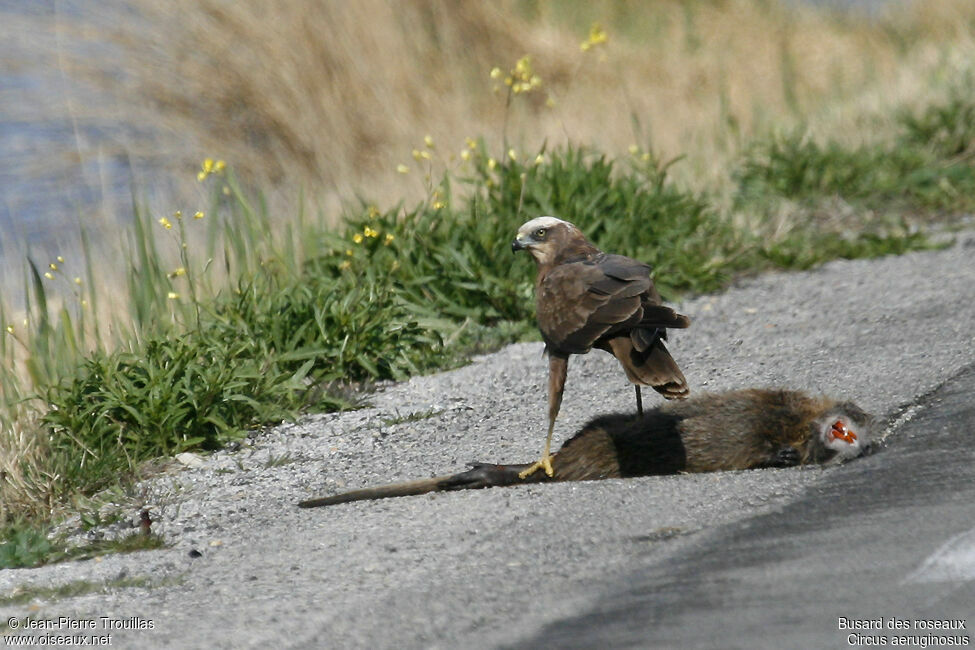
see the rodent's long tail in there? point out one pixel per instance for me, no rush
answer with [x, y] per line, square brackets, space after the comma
[481, 475]
[381, 492]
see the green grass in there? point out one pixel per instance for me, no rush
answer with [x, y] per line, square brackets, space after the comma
[926, 167]
[72, 589]
[280, 461]
[229, 324]
[416, 416]
[27, 545]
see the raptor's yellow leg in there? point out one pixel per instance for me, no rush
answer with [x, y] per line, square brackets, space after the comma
[558, 367]
[545, 462]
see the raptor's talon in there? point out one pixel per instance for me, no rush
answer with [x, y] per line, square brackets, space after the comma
[545, 462]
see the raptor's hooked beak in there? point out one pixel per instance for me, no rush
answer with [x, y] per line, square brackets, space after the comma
[517, 245]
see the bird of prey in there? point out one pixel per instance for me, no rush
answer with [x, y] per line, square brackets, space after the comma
[586, 298]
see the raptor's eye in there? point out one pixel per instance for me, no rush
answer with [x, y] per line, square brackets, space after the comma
[540, 233]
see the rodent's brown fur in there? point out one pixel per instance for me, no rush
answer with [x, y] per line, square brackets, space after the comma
[737, 430]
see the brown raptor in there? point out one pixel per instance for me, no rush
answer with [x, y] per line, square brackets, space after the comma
[586, 299]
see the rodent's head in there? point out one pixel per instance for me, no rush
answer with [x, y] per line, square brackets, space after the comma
[845, 432]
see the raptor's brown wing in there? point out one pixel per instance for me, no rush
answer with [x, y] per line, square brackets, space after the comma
[579, 302]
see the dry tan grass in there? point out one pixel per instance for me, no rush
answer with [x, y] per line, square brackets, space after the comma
[25, 489]
[333, 95]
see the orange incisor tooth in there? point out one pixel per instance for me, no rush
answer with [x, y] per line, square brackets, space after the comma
[839, 430]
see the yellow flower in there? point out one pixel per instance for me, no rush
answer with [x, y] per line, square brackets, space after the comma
[206, 169]
[428, 141]
[373, 212]
[597, 36]
[439, 205]
[416, 155]
[523, 78]
[178, 214]
[369, 232]
[198, 215]
[77, 281]
[10, 329]
[389, 239]
[84, 303]
[60, 259]
[164, 222]
[634, 150]
[471, 143]
[512, 154]
[178, 272]
[210, 167]
[226, 191]
[344, 265]
[54, 267]
[465, 154]
[172, 295]
[402, 169]
[539, 159]
[492, 163]
[348, 251]
[49, 275]
[357, 238]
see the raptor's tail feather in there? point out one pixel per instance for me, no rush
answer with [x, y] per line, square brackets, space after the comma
[652, 367]
[663, 316]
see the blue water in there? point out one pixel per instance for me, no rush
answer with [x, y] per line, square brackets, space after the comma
[61, 169]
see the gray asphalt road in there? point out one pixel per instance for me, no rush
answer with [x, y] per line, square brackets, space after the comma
[890, 539]
[503, 566]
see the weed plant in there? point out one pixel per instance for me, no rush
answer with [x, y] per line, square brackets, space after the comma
[26, 545]
[926, 167]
